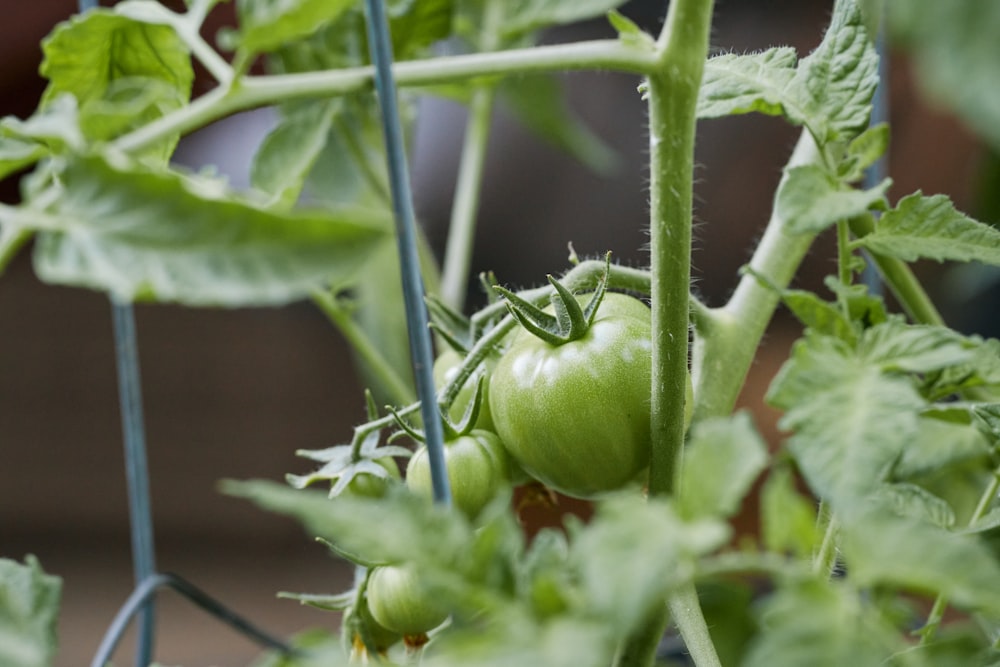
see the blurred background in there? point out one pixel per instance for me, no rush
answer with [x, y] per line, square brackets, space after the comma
[233, 393]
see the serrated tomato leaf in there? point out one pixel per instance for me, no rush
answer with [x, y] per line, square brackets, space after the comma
[29, 611]
[922, 227]
[265, 25]
[152, 235]
[811, 200]
[721, 461]
[889, 550]
[524, 16]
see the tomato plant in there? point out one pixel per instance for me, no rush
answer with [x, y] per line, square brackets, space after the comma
[891, 419]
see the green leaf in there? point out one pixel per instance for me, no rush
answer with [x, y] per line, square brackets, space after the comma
[811, 200]
[634, 552]
[265, 25]
[524, 16]
[956, 54]
[821, 316]
[915, 502]
[397, 528]
[914, 348]
[787, 518]
[29, 611]
[758, 82]
[837, 81]
[290, 150]
[721, 462]
[538, 103]
[930, 228]
[415, 25]
[115, 66]
[851, 420]
[820, 624]
[938, 445]
[155, 235]
[881, 549]
[628, 31]
[863, 151]
[829, 91]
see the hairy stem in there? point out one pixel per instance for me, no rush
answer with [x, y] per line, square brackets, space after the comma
[727, 338]
[462, 229]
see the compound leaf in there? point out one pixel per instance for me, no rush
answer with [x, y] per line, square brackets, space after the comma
[149, 235]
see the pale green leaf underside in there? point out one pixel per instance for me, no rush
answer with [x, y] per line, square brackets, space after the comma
[913, 554]
[86, 54]
[759, 82]
[150, 236]
[29, 611]
[931, 228]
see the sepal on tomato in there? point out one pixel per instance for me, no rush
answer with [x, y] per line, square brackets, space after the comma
[570, 321]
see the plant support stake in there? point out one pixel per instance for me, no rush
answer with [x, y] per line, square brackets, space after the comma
[136, 467]
[380, 47]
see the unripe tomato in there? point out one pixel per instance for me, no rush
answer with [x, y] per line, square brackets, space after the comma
[445, 368]
[478, 467]
[399, 603]
[369, 486]
[576, 416]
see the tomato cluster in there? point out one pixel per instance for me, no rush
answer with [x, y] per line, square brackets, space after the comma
[572, 414]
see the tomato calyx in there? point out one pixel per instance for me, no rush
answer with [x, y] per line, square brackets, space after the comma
[570, 320]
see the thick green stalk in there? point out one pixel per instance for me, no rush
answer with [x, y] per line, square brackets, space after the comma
[727, 338]
[462, 228]
[672, 94]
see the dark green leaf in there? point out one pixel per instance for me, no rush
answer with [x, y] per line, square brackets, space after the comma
[417, 24]
[956, 54]
[265, 25]
[930, 228]
[398, 528]
[538, 103]
[721, 461]
[154, 235]
[915, 555]
[811, 200]
[787, 518]
[29, 611]
[820, 624]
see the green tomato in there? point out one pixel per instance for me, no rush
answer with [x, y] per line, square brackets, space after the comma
[445, 369]
[577, 416]
[478, 467]
[398, 602]
[369, 486]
